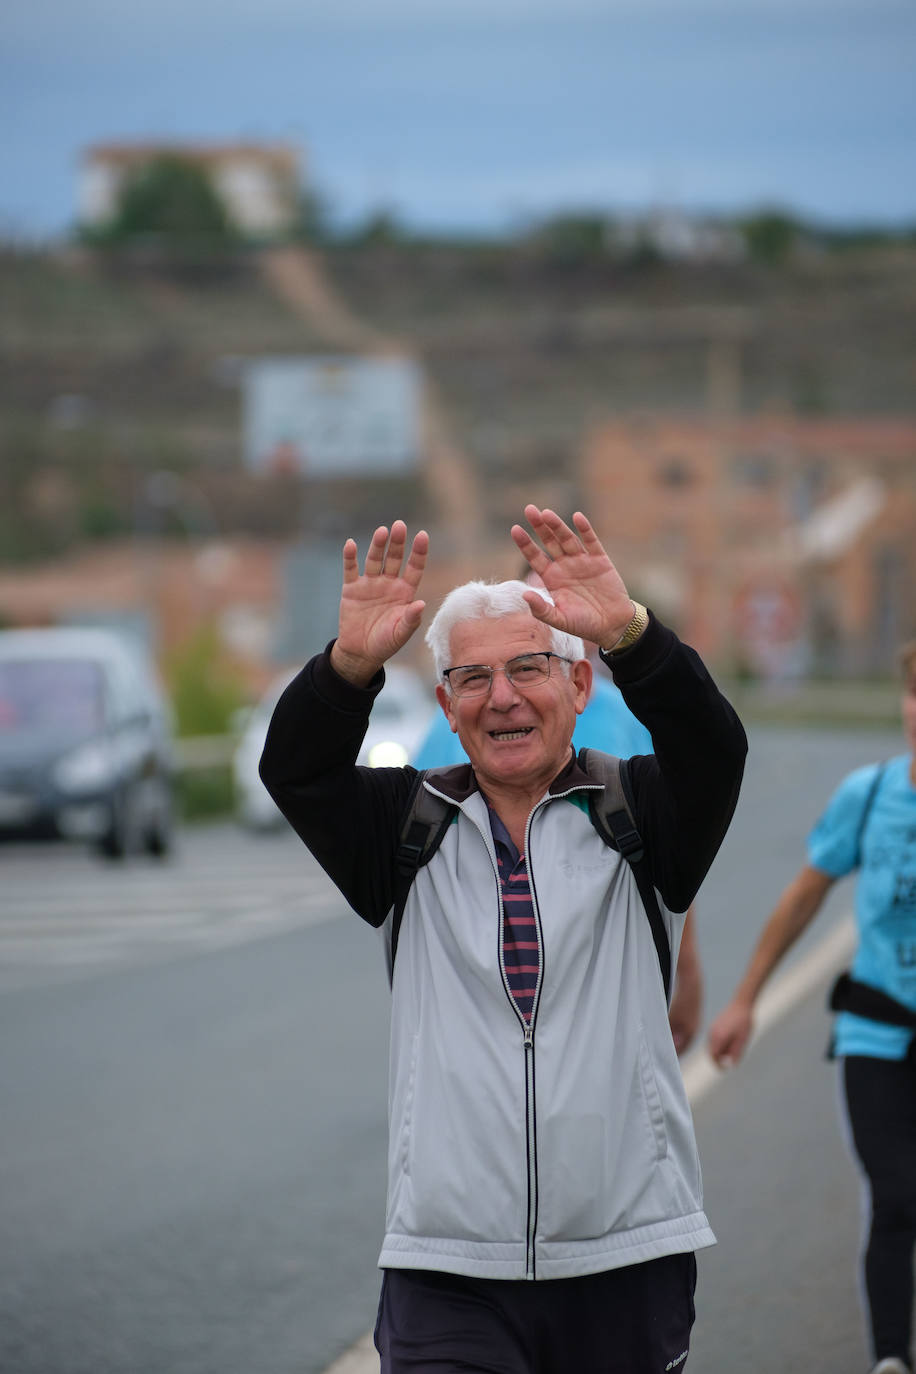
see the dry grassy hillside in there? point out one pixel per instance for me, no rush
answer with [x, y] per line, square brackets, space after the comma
[108, 373]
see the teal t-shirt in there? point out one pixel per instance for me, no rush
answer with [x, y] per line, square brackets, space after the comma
[885, 900]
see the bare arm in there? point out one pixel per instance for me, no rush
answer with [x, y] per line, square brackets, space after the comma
[793, 913]
[686, 1011]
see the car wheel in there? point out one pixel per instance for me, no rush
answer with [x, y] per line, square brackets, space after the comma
[118, 840]
[159, 836]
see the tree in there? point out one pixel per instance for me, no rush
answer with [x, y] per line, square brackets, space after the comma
[171, 203]
[770, 235]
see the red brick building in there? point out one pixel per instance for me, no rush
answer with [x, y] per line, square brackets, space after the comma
[779, 544]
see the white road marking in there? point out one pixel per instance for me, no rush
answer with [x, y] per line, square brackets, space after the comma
[65, 915]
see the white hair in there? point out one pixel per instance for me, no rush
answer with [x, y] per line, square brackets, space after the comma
[474, 600]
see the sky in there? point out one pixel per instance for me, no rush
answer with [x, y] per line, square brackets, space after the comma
[479, 115]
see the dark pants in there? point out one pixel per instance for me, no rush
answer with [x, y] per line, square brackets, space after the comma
[881, 1101]
[635, 1320]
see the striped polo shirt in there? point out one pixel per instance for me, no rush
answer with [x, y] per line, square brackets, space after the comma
[521, 951]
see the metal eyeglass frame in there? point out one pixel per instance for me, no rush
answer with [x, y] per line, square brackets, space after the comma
[507, 668]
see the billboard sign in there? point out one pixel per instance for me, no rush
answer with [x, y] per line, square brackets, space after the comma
[332, 416]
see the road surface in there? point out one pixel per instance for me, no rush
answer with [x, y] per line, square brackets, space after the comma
[193, 1132]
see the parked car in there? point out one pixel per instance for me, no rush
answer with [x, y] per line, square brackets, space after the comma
[397, 725]
[86, 741]
[254, 806]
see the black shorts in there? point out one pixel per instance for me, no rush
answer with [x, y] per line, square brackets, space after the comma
[635, 1320]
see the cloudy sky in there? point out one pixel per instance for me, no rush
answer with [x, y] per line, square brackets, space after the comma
[479, 114]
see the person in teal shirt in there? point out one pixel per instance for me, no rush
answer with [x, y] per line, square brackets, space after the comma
[868, 827]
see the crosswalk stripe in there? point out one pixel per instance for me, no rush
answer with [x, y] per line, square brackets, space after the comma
[65, 912]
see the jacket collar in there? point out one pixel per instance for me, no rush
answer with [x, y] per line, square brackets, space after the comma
[460, 782]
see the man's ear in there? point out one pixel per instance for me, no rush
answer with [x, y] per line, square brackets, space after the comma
[445, 701]
[581, 675]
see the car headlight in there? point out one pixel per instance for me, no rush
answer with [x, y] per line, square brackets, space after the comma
[87, 769]
[387, 754]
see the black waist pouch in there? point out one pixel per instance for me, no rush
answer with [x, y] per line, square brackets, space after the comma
[849, 995]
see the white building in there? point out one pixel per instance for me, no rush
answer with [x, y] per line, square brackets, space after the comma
[258, 183]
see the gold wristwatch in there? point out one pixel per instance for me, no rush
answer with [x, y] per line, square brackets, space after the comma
[635, 628]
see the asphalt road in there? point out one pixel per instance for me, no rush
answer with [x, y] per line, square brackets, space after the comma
[191, 1169]
[192, 1139]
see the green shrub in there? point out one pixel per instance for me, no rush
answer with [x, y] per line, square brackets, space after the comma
[206, 691]
[204, 794]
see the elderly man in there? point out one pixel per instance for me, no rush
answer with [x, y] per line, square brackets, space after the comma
[539, 1127]
[606, 723]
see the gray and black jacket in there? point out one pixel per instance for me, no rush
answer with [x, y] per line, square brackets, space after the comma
[566, 1148]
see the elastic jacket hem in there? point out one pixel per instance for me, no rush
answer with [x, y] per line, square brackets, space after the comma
[556, 1260]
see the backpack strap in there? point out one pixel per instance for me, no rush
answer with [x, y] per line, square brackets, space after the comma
[426, 819]
[612, 815]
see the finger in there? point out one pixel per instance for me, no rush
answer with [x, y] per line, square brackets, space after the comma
[413, 615]
[394, 555]
[416, 563]
[350, 561]
[728, 1050]
[375, 558]
[408, 623]
[538, 521]
[556, 535]
[536, 557]
[543, 610]
[587, 534]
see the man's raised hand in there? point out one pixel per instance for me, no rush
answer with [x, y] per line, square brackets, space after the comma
[589, 595]
[379, 608]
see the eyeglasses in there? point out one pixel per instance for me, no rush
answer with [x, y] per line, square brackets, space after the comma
[476, 679]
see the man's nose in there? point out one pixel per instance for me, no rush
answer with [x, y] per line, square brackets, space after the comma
[503, 693]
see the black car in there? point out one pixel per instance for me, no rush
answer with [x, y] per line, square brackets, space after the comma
[86, 745]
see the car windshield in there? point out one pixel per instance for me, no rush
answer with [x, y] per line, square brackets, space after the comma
[47, 693]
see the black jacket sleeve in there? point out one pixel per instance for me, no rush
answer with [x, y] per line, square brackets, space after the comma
[348, 816]
[685, 794]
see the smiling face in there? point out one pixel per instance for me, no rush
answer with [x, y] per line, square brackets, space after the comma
[515, 737]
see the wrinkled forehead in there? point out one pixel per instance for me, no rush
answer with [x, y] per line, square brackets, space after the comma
[496, 639]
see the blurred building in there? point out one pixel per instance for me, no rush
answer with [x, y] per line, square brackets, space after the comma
[333, 415]
[164, 591]
[258, 183]
[777, 545]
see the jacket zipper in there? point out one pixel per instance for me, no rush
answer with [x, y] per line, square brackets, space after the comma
[531, 1154]
[530, 1077]
[528, 1042]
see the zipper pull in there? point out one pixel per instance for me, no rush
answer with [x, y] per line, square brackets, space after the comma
[529, 1037]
